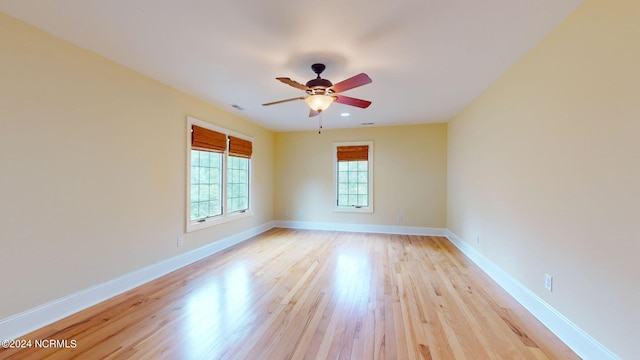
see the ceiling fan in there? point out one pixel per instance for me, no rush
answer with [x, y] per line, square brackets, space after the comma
[322, 92]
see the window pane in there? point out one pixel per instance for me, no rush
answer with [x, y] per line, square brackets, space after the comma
[214, 207]
[204, 158]
[237, 184]
[195, 175]
[194, 210]
[353, 187]
[203, 208]
[205, 184]
[214, 190]
[362, 200]
[195, 158]
[203, 192]
[204, 175]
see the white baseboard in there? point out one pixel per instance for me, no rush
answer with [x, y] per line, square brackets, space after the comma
[579, 341]
[25, 322]
[378, 229]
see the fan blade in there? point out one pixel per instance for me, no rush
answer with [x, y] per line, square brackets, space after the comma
[283, 101]
[313, 113]
[352, 101]
[350, 83]
[293, 83]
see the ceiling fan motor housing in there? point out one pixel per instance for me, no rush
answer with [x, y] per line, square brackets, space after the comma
[318, 86]
[314, 83]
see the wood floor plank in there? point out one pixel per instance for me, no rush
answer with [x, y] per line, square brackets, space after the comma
[300, 294]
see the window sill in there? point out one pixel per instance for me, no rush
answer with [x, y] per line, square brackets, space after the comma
[218, 220]
[353, 209]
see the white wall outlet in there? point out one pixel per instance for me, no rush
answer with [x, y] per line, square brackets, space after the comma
[399, 218]
[477, 238]
[180, 241]
[286, 213]
[548, 282]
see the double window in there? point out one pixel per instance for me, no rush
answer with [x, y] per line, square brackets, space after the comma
[353, 176]
[218, 174]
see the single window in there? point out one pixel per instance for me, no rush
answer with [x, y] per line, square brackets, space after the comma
[206, 184]
[219, 174]
[353, 168]
[237, 184]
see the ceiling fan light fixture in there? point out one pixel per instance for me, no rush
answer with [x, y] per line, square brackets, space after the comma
[319, 103]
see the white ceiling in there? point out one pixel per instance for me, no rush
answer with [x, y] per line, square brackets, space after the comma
[428, 58]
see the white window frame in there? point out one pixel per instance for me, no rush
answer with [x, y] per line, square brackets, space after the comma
[224, 217]
[367, 209]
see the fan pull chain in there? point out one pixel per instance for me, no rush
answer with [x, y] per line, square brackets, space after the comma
[320, 124]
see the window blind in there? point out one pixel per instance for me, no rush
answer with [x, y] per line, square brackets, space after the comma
[353, 153]
[207, 140]
[240, 147]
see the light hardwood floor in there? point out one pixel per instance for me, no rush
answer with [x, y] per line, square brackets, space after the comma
[293, 294]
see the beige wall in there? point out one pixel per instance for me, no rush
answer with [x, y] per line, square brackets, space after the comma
[92, 169]
[409, 175]
[545, 166]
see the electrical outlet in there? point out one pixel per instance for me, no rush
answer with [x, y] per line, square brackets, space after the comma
[399, 218]
[548, 282]
[286, 213]
[477, 238]
[180, 241]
